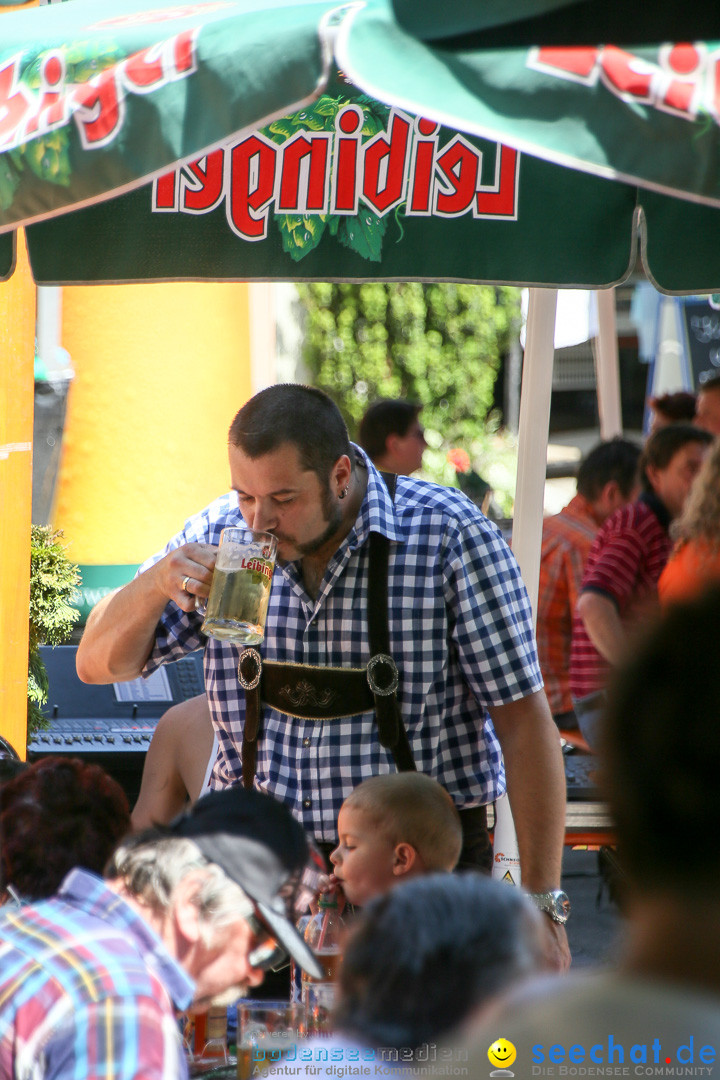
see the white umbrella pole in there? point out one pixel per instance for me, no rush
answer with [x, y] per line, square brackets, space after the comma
[527, 520]
[533, 436]
[607, 367]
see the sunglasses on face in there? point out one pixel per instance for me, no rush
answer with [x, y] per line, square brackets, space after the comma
[267, 954]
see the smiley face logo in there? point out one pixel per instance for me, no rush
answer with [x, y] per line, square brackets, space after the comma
[502, 1054]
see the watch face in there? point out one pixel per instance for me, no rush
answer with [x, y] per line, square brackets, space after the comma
[560, 906]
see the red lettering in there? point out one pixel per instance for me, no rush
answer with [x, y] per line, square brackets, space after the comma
[252, 183]
[203, 190]
[679, 96]
[164, 195]
[683, 58]
[51, 109]
[144, 69]
[100, 111]
[577, 62]
[348, 122]
[308, 155]
[15, 101]
[459, 165]
[501, 200]
[626, 73]
[385, 165]
[423, 166]
[184, 52]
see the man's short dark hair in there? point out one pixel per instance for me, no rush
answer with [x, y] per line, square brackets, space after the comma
[677, 407]
[390, 416]
[663, 445]
[615, 460]
[661, 749]
[713, 383]
[423, 956]
[291, 413]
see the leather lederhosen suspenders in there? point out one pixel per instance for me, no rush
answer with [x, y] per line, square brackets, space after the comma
[309, 692]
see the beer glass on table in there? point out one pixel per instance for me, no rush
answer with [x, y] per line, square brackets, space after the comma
[267, 1034]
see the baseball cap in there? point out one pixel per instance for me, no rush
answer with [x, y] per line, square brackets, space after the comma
[257, 842]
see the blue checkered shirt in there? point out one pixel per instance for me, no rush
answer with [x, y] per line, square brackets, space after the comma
[460, 633]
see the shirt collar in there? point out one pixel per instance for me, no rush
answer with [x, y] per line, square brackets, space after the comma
[581, 507]
[658, 507]
[377, 511]
[90, 893]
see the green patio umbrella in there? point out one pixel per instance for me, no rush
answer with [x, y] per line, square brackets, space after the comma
[646, 113]
[98, 104]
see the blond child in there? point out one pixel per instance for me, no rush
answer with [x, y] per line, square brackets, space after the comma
[392, 828]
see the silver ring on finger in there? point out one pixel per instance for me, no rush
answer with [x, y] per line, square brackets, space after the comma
[185, 586]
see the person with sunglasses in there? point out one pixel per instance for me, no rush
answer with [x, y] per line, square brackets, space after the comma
[188, 915]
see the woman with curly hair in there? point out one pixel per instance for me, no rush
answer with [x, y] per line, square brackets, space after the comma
[695, 562]
[58, 814]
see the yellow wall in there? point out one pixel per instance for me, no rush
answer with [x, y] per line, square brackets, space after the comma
[160, 372]
[17, 337]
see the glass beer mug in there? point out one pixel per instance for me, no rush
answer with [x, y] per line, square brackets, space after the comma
[237, 605]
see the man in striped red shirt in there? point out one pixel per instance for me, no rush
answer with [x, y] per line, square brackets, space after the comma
[606, 480]
[624, 564]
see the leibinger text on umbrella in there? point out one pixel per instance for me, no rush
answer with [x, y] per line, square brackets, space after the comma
[684, 80]
[337, 172]
[98, 105]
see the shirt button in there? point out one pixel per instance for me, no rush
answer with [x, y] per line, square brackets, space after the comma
[307, 803]
[306, 741]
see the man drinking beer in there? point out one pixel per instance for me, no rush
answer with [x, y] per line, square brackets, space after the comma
[398, 636]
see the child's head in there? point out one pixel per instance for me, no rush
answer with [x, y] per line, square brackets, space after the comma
[392, 827]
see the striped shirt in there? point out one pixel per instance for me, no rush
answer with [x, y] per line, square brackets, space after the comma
[566, 541]
[460, 631]
[87, 990]
[624, 564]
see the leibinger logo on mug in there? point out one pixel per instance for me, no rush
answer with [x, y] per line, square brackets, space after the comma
[501, 1054]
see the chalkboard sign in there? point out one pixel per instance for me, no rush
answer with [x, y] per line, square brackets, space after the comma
[701, 330]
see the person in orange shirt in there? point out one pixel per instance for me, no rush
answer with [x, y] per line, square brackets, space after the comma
[607, 479]
[695, 561]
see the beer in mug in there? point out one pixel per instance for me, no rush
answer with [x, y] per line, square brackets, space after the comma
[240, 589]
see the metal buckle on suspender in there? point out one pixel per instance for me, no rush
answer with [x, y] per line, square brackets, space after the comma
[252, 679]
[391, 681]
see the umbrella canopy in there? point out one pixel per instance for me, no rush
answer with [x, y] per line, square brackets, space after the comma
[97, 106]
[95, 99]
[349, 189]
[648, 114]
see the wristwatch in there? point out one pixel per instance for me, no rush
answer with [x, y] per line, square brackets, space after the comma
[554, 903]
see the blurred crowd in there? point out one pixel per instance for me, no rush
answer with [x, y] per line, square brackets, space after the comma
[113, 925]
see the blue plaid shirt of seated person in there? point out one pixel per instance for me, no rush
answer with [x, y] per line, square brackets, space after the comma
[461, 636]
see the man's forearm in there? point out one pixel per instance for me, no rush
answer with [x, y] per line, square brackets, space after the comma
[603, 625]
[120, 632]
[536, 788]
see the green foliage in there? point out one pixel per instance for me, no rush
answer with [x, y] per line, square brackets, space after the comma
[362, 233]
[53, 584]
[439, 345]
